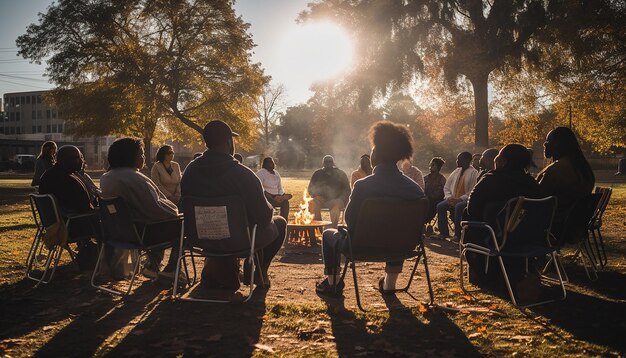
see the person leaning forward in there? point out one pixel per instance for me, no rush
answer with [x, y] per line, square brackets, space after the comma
[330, 188]
[216, 174]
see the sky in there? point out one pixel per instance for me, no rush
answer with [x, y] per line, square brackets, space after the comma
[295, 55]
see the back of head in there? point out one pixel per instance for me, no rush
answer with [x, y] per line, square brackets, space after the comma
[46, 151]
[566, 145]
[392, 142]
[123, 153]
[515, 158]
[267, 162]
[217, 133]
[65, 153]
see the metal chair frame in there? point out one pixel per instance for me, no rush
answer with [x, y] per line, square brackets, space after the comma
[138, 246]
[496, 249]
[54, 255]
[187, 250]
[419, 253]
[595, 226]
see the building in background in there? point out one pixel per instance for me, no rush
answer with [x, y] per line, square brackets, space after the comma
[28, 121]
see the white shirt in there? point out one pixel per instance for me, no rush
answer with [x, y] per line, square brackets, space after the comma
[469, 177]
[271, 182]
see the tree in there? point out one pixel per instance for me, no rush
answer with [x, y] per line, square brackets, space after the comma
[190, 58]
[451, 39]
[267, 107]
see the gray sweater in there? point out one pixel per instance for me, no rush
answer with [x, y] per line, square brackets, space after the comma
[144, 199]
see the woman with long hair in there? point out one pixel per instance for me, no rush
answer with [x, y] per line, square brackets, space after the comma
[166, 174]
[45, 160]
[570, 176]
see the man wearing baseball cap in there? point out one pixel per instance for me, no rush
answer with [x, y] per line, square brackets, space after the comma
[216, 174]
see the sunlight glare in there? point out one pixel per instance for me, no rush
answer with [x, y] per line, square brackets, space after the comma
[316, 51]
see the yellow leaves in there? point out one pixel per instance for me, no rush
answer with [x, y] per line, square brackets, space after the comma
[456, 290]
[422, 309]
[468, 298]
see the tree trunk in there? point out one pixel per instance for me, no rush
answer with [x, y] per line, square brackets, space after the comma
[147, 148]
[481, 105]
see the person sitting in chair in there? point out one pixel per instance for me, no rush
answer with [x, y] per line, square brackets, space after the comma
[390, 143]
[216, 174]
[412, 172]
[273, 187]
[329, 188]
[144, 200]
[365, 169]
[458, 186]
[73, 197]
[486, 162]
[434, 183]
[508, 180]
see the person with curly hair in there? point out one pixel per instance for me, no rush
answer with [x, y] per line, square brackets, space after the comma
[390, 143]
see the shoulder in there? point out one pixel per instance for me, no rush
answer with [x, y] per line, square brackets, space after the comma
[175, 165]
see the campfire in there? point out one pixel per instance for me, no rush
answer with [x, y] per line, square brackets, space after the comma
[304, 216]
[304, 230]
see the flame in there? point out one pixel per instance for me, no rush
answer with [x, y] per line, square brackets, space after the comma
[304, 216]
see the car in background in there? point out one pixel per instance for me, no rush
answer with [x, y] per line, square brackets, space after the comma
[24, 162]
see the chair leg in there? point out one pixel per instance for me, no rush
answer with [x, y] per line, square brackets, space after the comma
[430, 286]
[356, 286]
[506, 280]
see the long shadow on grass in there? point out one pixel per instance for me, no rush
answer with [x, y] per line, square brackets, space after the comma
[15, 195]
[198, 329]
[402, 333]
[99, 319]
[610, 283]
[24, 308]
[589, 319]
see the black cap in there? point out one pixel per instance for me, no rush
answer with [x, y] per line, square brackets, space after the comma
[216, 133]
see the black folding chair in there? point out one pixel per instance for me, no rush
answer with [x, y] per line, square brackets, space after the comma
[216, 227]
[595, 226]
[46, 215]
[387, 230]
[524, 233]
[120, 231]
[574, 231]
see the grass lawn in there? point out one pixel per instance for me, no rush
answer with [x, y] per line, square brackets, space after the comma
[67, 317]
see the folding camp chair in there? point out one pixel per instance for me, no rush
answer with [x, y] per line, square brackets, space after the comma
[596, 224]
[387, 230]
[216, 227]
[574, 231]
[47, 215]
[525, 233]
[119, 231]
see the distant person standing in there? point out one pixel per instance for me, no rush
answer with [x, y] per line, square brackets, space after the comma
[365, 169]
[45, 160]
[413, 172]
[330, 188]
[166, 175]
[273, 187]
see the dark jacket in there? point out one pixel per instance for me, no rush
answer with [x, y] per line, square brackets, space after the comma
[330, 184]
[68, 189]
[496, 187]
[387, 181]
[218, 174]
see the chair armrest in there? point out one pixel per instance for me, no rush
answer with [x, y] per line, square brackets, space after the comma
[475, 223]
[76, 216]
[178, 218]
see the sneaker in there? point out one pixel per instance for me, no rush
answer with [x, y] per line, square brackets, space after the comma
[381, 284]
[326, 289]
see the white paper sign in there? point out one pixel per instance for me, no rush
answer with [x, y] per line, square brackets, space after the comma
[212, 223]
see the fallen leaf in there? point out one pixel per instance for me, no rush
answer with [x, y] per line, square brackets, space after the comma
[468, 298]
[264, 347]
[482, 329]
[456, 290]
[47, 328]
[422, 309]
[474, 335]
[493, 307]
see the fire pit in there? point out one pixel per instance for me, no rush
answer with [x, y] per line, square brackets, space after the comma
[304, 230]
[305, 234]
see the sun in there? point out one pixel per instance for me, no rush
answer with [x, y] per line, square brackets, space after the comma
[316, 51]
